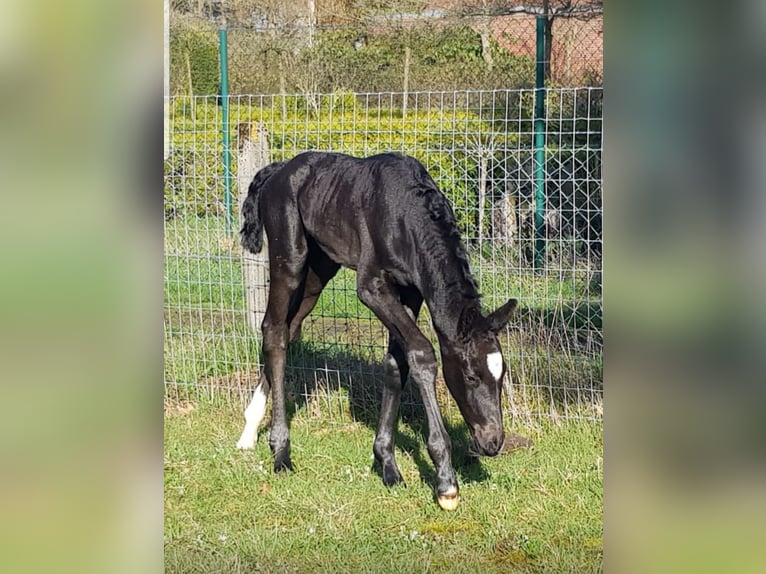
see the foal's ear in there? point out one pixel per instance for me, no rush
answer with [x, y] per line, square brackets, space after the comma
[499, 318]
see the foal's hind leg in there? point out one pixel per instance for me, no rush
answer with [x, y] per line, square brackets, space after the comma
[321, 270]
[256, 410]
[254, 414]
[287, 269]
[396, 372]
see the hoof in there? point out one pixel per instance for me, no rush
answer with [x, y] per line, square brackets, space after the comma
[245, 444]
[449, 500]
[393, 478]
[283, 466]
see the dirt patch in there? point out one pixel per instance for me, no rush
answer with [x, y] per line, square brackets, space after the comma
[514, 442]
[238, 380]
[184, 320]
[509, 552]
[178, 408]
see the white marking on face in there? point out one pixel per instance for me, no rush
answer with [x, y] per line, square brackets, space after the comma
[254, 414]
[495, 364]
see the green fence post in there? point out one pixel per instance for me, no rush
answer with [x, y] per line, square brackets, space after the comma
[540, 145]
[222, 50]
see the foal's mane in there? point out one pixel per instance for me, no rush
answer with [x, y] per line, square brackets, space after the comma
[446, 259]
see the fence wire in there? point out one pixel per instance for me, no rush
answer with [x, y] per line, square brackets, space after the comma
[477, 144]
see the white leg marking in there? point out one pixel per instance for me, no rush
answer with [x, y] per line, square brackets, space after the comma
[253, 416]
[495, 364]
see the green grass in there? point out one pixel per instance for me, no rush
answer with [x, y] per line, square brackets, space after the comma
[534, 510]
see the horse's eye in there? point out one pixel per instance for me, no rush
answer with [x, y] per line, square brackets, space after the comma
[472, 380]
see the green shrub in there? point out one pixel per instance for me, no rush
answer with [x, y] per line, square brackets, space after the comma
[194, 168]
[193, 50]
[440, 139]
[369, 61]
[316, 104]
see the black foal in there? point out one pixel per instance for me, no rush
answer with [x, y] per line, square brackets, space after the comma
[384, 217]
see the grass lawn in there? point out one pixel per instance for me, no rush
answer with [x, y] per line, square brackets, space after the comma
[533, 510]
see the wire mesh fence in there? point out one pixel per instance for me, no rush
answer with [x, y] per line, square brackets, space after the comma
[478, 146]
[448, 82]
[330, 46]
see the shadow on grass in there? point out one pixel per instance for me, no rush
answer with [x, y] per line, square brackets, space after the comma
[362, 383]
[543, 340]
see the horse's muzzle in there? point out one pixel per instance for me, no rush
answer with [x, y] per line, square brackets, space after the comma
[488, 442]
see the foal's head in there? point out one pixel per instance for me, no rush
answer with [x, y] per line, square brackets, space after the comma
[473, 369]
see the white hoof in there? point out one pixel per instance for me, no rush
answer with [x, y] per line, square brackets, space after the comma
[246, 443]
[449, 500]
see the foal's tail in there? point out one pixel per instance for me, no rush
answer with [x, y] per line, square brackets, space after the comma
[251, 233]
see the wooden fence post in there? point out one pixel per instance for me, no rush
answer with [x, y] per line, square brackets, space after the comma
[253, 154]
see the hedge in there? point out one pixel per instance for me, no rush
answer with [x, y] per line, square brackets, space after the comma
[445, 141]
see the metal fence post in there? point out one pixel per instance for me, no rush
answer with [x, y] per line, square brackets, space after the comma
[540, 145]
[223, 52]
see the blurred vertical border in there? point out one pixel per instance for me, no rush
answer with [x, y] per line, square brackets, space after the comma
[80, 294]
[685, 133]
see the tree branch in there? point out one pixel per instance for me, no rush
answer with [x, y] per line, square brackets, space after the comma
[562, 12]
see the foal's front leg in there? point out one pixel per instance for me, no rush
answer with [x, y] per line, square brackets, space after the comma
[383, 447]
[422, 362]
[379, 295]
[396, 373]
